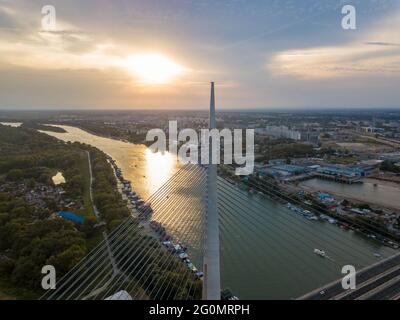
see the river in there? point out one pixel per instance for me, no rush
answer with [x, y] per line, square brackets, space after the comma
[146, 170]
[380, 194]
[267, 251]
[11, 124]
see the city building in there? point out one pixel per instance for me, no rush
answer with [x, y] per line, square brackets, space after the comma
[281, 171]
[280, 132]
[361, 170]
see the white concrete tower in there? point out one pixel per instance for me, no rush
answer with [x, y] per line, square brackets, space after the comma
[212, 277]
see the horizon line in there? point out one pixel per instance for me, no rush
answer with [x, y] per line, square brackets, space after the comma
[241, 109]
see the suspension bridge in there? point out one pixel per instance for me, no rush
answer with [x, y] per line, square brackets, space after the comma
[202, 234]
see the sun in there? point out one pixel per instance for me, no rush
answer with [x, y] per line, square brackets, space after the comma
[152, 68]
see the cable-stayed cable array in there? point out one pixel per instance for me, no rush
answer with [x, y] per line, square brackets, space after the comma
[279, 245]
[132, 258]
[139, 257]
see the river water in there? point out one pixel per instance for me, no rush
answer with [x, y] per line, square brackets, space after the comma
[58, 179]
[380, 194]
[266, 249]
[146, 170]
[11, 124]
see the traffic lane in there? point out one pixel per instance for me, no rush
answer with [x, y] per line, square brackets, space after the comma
[362, 276]
[387, 293]
[379, 281]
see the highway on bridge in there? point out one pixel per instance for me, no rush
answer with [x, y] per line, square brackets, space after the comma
[380, 281]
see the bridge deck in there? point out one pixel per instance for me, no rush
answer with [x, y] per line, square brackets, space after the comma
[376, 282]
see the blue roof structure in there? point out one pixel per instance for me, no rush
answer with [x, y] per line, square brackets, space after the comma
[339, 171]
[289, 168]
[324, 195]
[71, 216]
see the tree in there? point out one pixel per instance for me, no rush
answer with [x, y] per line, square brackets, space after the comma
[389, 167]
[67, 259]
[26, 273]
[14, 175]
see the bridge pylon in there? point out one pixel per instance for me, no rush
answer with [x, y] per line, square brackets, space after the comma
[211, 267]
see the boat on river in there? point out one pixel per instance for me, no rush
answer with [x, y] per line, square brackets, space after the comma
[320, 253]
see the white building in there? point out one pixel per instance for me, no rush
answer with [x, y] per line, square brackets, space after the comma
[282, 132]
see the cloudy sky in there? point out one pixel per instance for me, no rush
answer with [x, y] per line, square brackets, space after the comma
[116, 54]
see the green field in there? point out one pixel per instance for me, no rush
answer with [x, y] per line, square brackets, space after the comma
[87, 211]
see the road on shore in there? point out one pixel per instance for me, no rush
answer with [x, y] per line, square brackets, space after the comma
[95, 210]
